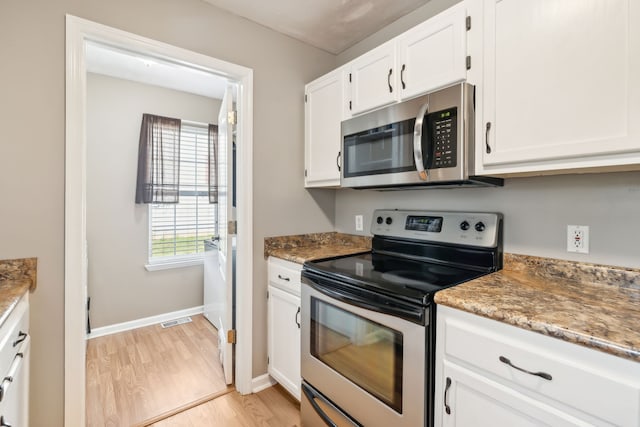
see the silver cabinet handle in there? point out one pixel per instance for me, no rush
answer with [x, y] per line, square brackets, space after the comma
[297, 314]
[447, 408]
[417, 143]
[389, 80]
[286, 279]
[537, 374]
[486, 137]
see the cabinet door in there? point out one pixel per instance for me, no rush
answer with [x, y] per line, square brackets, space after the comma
[433, 54]
[562, 85]
[323, 114]
[284, 339]
[475, 401]
[374, 78]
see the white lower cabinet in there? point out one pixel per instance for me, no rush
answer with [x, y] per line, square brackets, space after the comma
[493, 374]
[15, 343]
[284, 324]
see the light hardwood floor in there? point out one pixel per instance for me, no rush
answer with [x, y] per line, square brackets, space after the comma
[137, 377]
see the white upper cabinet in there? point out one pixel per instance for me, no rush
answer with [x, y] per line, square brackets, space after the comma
[373, 78]
[433, 54]
[429, 56]
[323, 114]
[561, 86]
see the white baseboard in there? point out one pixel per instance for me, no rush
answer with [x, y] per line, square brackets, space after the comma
[262, 382]
[147, 321]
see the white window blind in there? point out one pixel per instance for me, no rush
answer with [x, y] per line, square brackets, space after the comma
[178, 230]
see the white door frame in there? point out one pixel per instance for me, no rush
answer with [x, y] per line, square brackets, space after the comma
[78, 31]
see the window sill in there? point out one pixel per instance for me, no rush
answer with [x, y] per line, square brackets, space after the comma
[169, 264]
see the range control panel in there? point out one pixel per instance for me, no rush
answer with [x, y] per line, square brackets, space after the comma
[460, 228]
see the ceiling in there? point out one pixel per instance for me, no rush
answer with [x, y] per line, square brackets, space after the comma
[114, 62]
[331, 25]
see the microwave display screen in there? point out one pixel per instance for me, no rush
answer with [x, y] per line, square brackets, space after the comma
[432, 224]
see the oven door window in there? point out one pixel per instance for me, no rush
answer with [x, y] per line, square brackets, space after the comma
[385, 149]
[367, 353]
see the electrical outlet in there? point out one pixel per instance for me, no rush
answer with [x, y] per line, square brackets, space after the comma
[578, 238]
[359, 224]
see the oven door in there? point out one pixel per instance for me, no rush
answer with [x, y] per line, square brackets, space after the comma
[363, 356]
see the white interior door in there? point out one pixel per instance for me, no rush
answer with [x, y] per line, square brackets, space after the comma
[226, 228]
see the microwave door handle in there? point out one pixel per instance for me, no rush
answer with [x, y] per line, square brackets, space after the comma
[418, 156]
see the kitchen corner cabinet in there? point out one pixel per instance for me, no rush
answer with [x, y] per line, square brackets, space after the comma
[482, 378]
[426, 57]
[323, 114]
[561, 86]
[283, 324]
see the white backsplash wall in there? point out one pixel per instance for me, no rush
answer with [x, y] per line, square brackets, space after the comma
[536, 212]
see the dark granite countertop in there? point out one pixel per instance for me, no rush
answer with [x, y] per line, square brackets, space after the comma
[304, 247]
[596, 306]
[17, 276]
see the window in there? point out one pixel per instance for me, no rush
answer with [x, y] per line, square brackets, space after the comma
[177, 230]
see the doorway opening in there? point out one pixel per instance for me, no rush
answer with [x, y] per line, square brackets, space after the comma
[81, 33]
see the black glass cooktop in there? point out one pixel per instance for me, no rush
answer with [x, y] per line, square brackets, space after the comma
[394, 276]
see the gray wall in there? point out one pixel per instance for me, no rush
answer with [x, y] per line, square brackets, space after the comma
[537, 210]
[121, 289]
[32, 84]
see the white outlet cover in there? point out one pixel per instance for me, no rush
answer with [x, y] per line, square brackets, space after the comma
[578, 238]
[359, 223]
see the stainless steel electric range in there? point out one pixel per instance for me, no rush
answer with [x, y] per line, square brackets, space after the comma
[368, 320]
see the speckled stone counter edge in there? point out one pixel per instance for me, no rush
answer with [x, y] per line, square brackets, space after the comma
[511, 296]
[328, 244]
[17, 276]
[550, 268]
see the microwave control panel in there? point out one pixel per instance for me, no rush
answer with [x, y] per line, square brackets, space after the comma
[443, 132]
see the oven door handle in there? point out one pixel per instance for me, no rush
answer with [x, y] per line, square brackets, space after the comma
[419, 157]
[313, 395]
[373, 302]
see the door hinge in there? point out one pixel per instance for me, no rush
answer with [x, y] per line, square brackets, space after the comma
[232, 117]
[231, 336]
[349, 105]
[268, 360]
[305, 97]
[305, 173]
[232, 227]
[468, 23]
[349, 77]
[267, 294]
[468, 62]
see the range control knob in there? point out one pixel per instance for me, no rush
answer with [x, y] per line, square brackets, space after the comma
[389, 220]
[480, 226]
[379, 220]
[464, 225]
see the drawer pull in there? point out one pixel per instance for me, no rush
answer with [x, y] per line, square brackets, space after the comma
[447, 408]
[286, 279]
[537, 374]
[21, 337]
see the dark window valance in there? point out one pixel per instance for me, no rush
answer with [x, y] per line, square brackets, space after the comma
[158, 160]
[213, 164]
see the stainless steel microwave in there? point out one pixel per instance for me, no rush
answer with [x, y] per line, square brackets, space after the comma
[425, 141]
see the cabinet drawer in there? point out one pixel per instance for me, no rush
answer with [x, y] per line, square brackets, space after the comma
[284, 275]
[603, 386]
[12, 333]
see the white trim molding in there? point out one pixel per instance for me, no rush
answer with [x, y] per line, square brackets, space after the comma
[262, 382]
[78, 32]
[145, 321]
